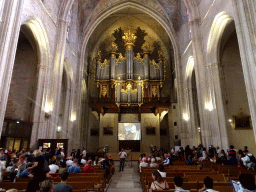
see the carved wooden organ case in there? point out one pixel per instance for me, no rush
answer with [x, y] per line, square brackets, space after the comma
[130, 80]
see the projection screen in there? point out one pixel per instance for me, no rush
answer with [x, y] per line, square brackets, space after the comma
[129, 131]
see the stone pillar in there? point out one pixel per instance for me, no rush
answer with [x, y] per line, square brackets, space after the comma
[245, 21]
[9, 35]
[200, 71]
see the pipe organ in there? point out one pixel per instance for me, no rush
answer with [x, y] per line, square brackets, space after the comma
[129, 79]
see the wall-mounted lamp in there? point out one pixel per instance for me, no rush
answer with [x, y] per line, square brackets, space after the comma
[230, 120]
[73, 117]
[17, 122]
[47, 109]
[199, 129]
[185, 117]
[59, 128]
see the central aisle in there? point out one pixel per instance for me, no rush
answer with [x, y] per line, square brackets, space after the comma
[126, 181]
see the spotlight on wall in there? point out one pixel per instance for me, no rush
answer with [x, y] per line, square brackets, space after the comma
[185, 117]
[73, 117]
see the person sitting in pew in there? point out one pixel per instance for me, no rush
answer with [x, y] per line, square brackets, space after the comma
[189, 161]
[69, 162]
[208, 185]
[47, 186]
[26, 173]
[143, 163]
[12, 190]
[74, 168]
[83, 160]
[247, 182]
[167, 160]
[153, 164]
[53, 167]
[63, 168]
[158, 183]
[88, 168]
[161, 170]
[62, 186]
[178, 182]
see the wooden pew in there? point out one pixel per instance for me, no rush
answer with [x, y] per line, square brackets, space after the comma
[218, 178]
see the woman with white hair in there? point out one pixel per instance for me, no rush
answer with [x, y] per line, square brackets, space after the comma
[153, 164]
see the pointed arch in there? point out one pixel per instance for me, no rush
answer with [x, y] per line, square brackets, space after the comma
[36, 28]
[220, 22]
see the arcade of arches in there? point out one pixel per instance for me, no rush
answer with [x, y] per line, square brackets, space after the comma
[124, 73]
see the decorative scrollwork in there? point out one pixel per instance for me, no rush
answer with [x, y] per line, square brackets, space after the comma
[146, 47]
[129, 37]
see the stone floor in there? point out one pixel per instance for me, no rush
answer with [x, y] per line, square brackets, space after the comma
[126, 181]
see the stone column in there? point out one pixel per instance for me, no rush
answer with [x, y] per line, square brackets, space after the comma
[9, 35]
[200, 71]
[245, 21]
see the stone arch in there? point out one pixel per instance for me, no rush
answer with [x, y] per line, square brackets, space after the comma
[220, 23]
[116, 7]
[36, 28]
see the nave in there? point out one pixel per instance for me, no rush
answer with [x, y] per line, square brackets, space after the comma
[126, 181]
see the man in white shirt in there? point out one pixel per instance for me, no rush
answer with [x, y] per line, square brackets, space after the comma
[122, 155]
[69, 162]
[83, 160]
[247, 159]
[84, 152]
[143, 163]
[53, 167]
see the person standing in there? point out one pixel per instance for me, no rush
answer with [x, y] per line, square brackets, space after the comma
[122, 155]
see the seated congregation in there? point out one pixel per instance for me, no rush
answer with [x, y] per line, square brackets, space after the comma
[52, 171]
[197, 169]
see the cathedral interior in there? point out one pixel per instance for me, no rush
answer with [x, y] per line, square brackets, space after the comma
[128, 73]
